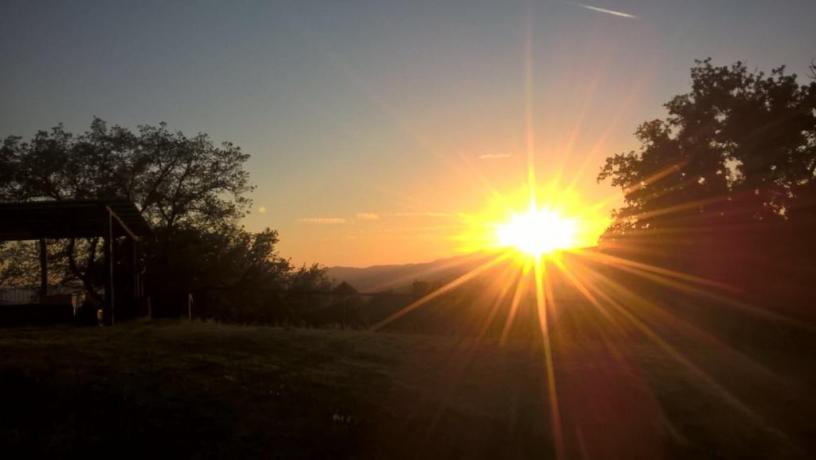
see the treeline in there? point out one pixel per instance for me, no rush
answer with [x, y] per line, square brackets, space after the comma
[724, 187]
[311, 300]
[474, 309]
[192, 191]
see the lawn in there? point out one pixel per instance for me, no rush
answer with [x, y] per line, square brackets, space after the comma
[202, 390]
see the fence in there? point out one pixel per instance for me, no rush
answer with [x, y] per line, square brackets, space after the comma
[278, 306]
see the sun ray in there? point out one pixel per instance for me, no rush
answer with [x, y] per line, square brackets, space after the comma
[552, 393]
[678, 208]
[521, 287]
[595, 296]
[583, 290]
[517, 273]
[528, 111]
[720, 299]
[432, 270]
[660, 174]
[609, 259]
[695, 370]
[581, 287]
[667, 317]
[446, 288]
[464, 352]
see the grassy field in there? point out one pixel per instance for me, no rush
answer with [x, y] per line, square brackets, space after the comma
[201, 390]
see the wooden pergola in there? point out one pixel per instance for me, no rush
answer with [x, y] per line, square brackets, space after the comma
[112, 220]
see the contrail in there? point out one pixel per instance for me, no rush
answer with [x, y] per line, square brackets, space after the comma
[604, 10]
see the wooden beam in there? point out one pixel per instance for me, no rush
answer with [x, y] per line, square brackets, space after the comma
[121, 223]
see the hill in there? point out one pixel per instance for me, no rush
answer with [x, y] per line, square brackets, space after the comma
[398, 276]
[197, 390]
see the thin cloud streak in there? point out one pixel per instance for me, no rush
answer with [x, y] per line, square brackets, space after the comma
[368, 216]
[494, 156]
[322, 220]
[422, 214]
[598, 9]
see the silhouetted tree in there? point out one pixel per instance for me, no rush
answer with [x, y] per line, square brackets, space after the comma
[739, 146]
[309, 279]
[724, 186]
[191, 191]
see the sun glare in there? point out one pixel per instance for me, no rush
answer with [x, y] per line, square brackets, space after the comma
[546, 221]
[538, 232]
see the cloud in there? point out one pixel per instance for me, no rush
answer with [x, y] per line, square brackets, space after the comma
[422, 214]
[598, 9]
[494, 156]
[322, 220]
[368, 216]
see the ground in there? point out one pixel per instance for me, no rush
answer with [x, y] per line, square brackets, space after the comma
[203, 390]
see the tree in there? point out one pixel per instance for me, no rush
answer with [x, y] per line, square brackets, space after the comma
[724, 187]
[739, 147]
[191, 191]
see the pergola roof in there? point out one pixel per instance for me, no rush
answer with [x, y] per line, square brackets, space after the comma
[69, 219]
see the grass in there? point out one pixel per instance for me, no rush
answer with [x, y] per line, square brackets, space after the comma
[204, 390]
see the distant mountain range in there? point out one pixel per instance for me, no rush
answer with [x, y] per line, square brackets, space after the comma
[398, 277]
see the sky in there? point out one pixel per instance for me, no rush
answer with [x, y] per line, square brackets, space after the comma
[376, 128]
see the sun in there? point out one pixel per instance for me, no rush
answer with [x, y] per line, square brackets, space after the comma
[533, 221]
[538, 232]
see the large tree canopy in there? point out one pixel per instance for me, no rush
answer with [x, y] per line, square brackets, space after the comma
[175, 180]
[724, 187]
[740, 146]
[192, 191]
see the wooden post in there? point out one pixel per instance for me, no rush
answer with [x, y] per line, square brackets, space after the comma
[43, 270]
[134, 267]
[128, 292]
[108, 250]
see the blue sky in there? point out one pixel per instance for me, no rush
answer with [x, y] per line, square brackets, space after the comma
[372, 124]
